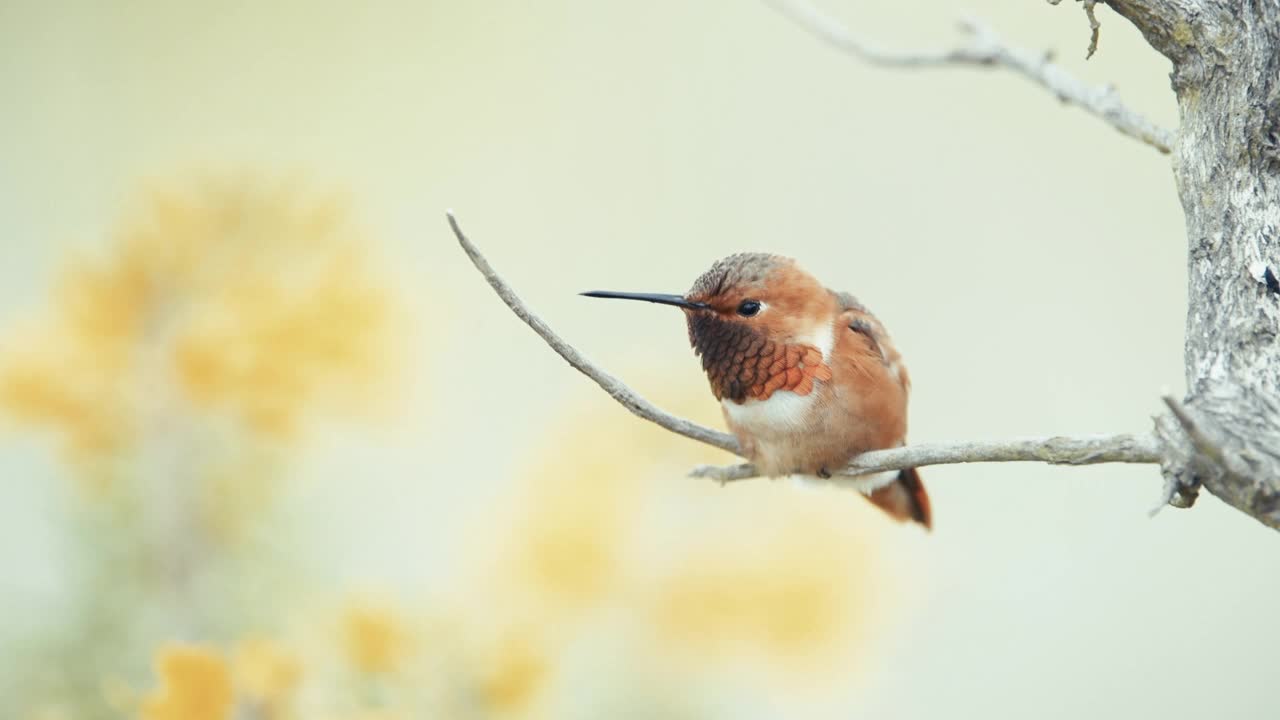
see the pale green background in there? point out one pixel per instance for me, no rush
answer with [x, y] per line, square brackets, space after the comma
[1028, 259]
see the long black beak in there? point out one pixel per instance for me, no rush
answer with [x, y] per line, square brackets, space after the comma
[659, 298]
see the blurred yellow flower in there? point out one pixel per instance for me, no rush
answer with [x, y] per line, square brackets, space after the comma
[247, 302]
[513, 674]
[567, 545]
[266, 675]
[60, 380]
[575, 520]
[376, 637]
[785, 578]
[787, 575]
[195, 684]
[220, 319]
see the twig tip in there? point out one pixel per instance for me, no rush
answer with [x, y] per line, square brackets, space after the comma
[457, 230]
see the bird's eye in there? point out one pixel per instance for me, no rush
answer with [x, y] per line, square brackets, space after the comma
[749, 308]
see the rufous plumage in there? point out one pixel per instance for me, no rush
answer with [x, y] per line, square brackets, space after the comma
[807, 377]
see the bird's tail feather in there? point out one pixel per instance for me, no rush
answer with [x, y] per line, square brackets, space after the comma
[905, 499]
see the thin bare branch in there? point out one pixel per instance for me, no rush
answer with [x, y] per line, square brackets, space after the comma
[610, 384]
[1057, 450]
[986, 49]
[1054, 450]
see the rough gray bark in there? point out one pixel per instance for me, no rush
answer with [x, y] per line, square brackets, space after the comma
[1226, 162]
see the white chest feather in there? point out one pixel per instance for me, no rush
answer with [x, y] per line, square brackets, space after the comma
[782, 413]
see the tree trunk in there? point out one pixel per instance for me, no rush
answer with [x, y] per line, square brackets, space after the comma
[1226, 161]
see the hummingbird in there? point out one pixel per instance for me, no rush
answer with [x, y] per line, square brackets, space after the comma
[807, 377]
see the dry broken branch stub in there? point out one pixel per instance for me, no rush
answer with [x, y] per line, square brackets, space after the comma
[1059, 450]
[985, 49]
[1094, 26]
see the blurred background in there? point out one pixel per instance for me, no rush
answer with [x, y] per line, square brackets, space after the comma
[270, 448]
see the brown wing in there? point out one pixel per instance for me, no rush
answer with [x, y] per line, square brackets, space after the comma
[905, 498]
[859, 319]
